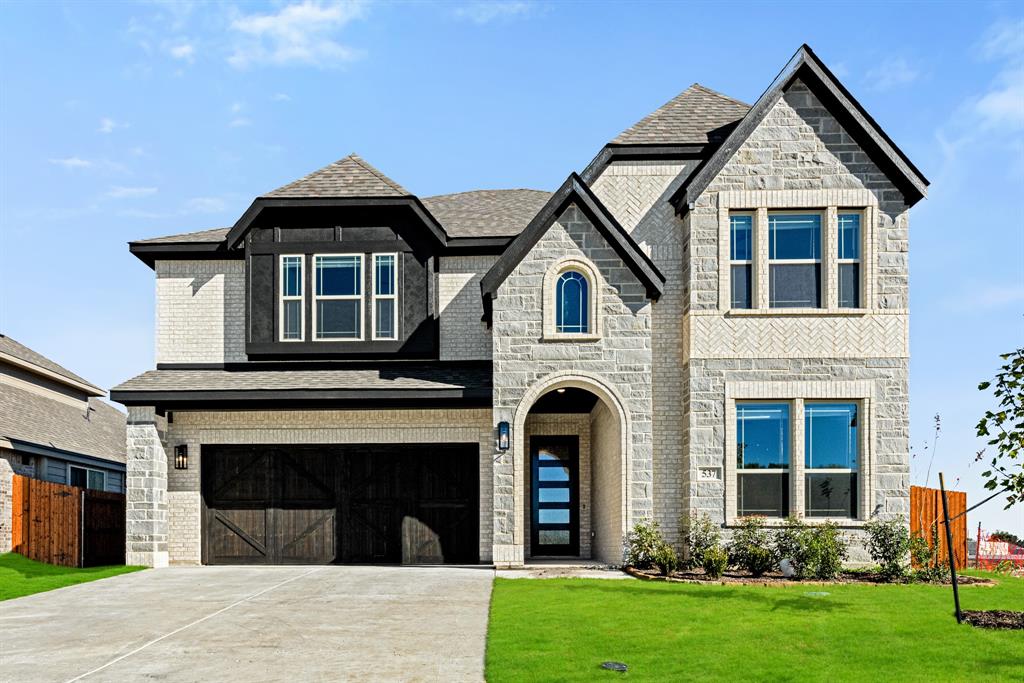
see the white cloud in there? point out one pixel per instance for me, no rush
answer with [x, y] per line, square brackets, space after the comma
[72, 162]
[205, 205]
[892, 73]
[1002, 106]
[281, 97]
[122, 192]
[108, 125]
[236, 107]
[184, 51]
[300, 33]
[239, 122]
[486, 12]
[1003, 39]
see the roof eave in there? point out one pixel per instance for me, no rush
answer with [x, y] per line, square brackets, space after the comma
[84, 387]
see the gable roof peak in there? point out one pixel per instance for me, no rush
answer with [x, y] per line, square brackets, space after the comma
[350, 176]
[694, 116]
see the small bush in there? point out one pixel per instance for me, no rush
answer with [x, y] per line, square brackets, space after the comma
[701, 535]
[826, 551]
[715, 560]
[888, 544]
[926, 557]
[665, 558]
[750, 548]
[642, 545]
[790, 543]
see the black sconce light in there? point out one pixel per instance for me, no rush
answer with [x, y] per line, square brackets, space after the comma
[181, 457]
[503, 436]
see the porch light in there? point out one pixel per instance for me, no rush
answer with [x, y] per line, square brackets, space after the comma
[503, 436]
[181, 457]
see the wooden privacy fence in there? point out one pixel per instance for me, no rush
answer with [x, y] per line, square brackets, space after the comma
[67, 525]
[926, 511]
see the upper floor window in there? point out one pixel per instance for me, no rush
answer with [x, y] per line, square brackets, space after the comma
[794, 260]
[831, 453]
[385, 296]
[292, 313]
[741, 256]
[338, 300]
[849, 260]
[572, 303]
[87, 478]
[762, 459]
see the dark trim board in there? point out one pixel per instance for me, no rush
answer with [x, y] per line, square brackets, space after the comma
[77, 458]
[179, 251]
[348, 399]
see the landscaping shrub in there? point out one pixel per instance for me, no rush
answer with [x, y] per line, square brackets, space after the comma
[888, 544]
[715, 560]
[926, 557]
[701, 536]
[750, 548]
[665, 558]
[790, 543]
[826, 550]
[642, 544]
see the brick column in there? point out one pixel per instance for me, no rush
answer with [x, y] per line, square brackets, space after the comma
[146, 489]
[6, 505]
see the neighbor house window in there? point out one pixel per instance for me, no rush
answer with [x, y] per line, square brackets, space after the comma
[849, 260]
[291, 322]
[794, 260]
[385, 296]
[572, 303]
[87, 478]
[741, 254]
[831, 456]
[762, 459]
[338, 301]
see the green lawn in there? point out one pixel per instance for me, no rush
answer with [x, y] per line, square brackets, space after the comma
[20, 576]
[562, 629]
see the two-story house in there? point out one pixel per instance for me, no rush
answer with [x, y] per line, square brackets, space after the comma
[710, 318]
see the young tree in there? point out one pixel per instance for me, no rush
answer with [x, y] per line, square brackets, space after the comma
[1004, 428]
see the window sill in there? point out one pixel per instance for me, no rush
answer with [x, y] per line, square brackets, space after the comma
[555, 337]
[773, 312]
[776, 522]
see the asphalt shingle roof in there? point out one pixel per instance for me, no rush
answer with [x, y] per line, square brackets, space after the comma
[486, 213]
[348, 177]
[386, 376]
[23, 353]
[212, 235]
[693, 117]
[98, 431]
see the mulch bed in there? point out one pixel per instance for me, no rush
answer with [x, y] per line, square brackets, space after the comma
[994, 618]
[777, 579]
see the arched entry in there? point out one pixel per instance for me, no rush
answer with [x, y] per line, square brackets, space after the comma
[570, 442]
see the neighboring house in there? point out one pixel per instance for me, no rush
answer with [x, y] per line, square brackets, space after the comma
[54, 425]
[710, 318]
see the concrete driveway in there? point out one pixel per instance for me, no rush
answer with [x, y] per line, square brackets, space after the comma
[253, 624]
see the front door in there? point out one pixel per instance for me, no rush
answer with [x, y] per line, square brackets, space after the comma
[555, 527]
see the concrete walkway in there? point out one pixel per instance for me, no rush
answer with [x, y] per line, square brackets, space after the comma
[253, 625]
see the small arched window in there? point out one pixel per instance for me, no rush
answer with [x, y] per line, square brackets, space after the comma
[572, 303]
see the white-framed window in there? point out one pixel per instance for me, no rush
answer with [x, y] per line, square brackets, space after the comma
[831, 458]
[384, 310]
[86, 477]
[741, 259]
[848, 245]
[572, 303]
[763, 451]
[794, 259]
[338, 297]
[292, 318]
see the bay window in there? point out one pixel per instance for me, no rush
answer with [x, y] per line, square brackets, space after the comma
[794, 260]
[338, 297]
[762, 459]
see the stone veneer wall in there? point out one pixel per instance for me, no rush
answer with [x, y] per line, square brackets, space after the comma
[6, 506]
[620, 362]
[544, 424]
[464, 334]
[146, 489]
[200, 311]
[606, 483]
[313, 427]
[637, 194]
[799, 157]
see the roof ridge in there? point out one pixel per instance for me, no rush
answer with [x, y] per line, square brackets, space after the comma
[488, 189]
[350, 176]
[367, 166]
[712, 91]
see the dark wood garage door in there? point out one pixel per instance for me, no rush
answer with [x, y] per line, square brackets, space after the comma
[413, 503]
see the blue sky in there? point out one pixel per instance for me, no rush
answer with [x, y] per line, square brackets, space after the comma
[128, 120]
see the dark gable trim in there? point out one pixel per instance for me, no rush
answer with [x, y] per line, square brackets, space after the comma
[573, 190]
[806, 66]
[58, 453]
[612, 153]
[176, 251]
[235, 235]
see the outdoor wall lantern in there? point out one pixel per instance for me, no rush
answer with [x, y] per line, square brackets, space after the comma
[181, 457]
[503, 437]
